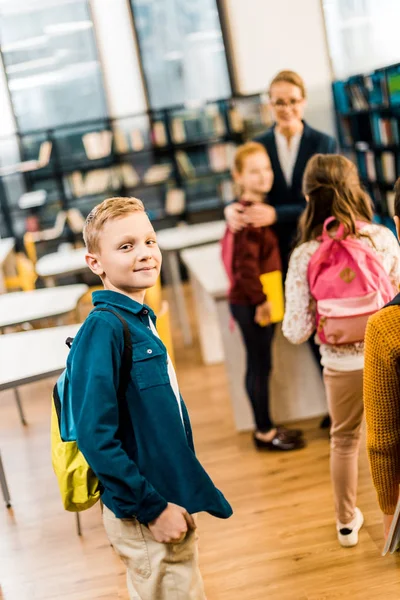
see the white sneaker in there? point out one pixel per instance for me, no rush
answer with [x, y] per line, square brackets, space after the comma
[348, 533]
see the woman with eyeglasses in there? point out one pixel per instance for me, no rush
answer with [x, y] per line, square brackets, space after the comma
[290, 143]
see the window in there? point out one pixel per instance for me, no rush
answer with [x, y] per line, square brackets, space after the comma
[182, 51]
[51, 63]
[362, 34]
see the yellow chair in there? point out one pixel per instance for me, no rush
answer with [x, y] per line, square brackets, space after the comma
[153, 297]
[164, 329]
[30, 247]
[26, 276]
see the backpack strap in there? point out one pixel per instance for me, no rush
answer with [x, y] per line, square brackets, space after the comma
[126, 363]
[394, 302]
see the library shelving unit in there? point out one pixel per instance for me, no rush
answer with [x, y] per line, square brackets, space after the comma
[176, 160]
[367, 108]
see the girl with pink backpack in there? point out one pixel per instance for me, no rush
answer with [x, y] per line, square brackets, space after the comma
[344, 269]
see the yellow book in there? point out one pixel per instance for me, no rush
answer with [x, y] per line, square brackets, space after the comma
[273, 289]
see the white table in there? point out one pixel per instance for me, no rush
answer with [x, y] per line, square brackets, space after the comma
[6, 251]
[33, 355]
[30, 356]
[171, 242]
[297, 390]
[59, 264]
[26, 307]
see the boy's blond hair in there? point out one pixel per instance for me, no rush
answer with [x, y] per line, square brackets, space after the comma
[109, 209]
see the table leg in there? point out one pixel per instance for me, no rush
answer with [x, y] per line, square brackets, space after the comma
[173, 264]
[78, 524]
[19, 406]
[4, 486]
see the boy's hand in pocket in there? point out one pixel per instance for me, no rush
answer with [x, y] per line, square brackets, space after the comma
[172, 525]
[263, 314]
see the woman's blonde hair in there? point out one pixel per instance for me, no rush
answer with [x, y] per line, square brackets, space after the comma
[108, 210]
[245, 150]
[289, 77]
[333, 189]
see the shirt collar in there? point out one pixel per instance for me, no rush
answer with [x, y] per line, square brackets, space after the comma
[120, 301]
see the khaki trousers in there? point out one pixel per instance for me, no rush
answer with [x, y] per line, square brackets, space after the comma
[344, 391]
[155, 571]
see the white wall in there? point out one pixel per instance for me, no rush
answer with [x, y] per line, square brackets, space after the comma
[268, 36]
[119, 57]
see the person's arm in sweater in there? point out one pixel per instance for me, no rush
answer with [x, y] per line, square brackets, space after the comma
[299, 320]
[246, 265]
[382, 410]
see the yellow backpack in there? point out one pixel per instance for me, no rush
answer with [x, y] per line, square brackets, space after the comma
[79, 487]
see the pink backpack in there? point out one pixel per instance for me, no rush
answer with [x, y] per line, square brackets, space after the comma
[349, 283]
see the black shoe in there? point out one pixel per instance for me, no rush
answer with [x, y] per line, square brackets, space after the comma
[325, 423]
[289, 433]
[279, 442]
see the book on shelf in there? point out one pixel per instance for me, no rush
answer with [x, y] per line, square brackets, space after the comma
[377, 89]
[390, 197]
[178, 130]
[388, 167]
[236, 120]
[175, 201]
[385, 131]
[159, 134]
[185, 165]
[358, 96]
[215, 122]
[137, 141]
[157, 173]
[345, 129]
[97, 144]
[120, 141]
[221, 156]
[370, 165]
[217, 157]
[94, 182]
[341, 97]
[227, 191]
[129, 176]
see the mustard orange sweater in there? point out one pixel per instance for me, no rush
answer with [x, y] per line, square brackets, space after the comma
[382, 404]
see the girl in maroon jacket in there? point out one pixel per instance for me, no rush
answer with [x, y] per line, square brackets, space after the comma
[247, 254]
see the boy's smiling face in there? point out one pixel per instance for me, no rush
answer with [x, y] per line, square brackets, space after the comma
[128, 259]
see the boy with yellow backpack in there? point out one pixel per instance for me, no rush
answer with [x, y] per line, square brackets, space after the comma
[119, 406]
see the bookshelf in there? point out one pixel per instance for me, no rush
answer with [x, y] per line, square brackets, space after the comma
[367, 110]
[177, 160]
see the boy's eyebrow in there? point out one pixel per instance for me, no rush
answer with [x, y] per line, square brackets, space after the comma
[129, 236]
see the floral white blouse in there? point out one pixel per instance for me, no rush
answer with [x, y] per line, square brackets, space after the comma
[299, 322]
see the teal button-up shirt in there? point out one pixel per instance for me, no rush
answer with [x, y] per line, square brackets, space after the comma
[140, 450]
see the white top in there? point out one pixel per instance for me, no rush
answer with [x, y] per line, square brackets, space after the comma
[185, 236]
[206, 265]
[171, 373]
[33, 355]
[6, 246]
[299, 321]
[62, 263]
[287, 154]
[26, 307]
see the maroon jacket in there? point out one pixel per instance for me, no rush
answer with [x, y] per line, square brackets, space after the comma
[255, 251]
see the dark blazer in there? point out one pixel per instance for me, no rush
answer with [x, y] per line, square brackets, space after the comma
[289, 202]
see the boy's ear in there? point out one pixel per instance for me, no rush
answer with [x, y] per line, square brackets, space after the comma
[397, 223]
[94, 264]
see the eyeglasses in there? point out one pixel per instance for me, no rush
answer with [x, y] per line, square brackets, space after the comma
[292, 103]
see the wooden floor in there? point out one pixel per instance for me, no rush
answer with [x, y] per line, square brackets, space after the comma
[279, 545]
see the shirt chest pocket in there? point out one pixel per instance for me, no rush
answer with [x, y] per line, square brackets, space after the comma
[150, 364]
